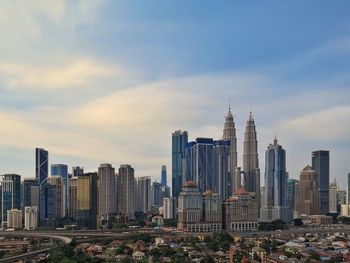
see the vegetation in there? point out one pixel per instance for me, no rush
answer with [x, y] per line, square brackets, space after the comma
[67, 254]
[170, 223]
[219, 241]
[274, 225]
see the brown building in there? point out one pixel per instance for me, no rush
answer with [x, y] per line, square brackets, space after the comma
[240, 212]
[307, 193]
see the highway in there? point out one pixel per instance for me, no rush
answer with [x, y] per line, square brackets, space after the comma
[25, 255]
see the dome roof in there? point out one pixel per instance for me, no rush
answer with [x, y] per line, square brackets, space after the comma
[208, 193]
[190, 184]
[241, 191]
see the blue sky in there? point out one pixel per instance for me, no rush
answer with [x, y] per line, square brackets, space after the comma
[108, 81]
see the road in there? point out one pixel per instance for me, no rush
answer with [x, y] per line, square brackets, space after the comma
[25, 255]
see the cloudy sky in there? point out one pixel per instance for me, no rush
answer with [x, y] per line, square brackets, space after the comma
[108, 81]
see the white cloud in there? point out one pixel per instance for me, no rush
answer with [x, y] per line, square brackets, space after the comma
[71, 74]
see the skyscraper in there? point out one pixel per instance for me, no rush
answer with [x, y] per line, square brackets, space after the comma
[199, 163]
[126, 192]
[320, 163]
[10, 194]
[221, 184]
[106, 193]
[144, 194]
[333, 200]
[41, 174]
[250, 160]
[156, 194]
[229, 134]
[30, 192]
[291, 193]
[276, 177]
[55, 197]
[307, 194]
[164, 176]
[179, 141]
[62, 170]
[348, 190]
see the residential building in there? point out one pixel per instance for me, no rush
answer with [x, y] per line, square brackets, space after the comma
[144, 194]
[106, 193]
[126, 192]
[179, 141]
[14, 219]
[31, 217]
[320, 163]
[169, 208]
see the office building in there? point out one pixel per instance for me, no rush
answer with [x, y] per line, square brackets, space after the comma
[229, 134]
[333, 200]
[106, 193]
[30, 192]
[250, 160]
[14, 219]
[320, 163]
[62, 170]
[143, 194]
[307, 193]
[86, 200]
[55, 197]
[169, 208]
[156, 194]
[291, 185]
[276, 178]
[341, 199]
[126, 192]
[179, 141]
[240, 212]
[348, 190]
[72, 197]
[221, 176]
[31, 217]
[164, 180]
[41, 174]
[10, 194]
[77, 171]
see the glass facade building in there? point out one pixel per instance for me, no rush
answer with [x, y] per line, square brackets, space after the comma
[10, 194]
[291, 193]
[320, 163]
[179, 141]
[164, 176]
[62, 170]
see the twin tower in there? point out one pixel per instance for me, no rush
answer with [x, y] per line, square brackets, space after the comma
[249, 177]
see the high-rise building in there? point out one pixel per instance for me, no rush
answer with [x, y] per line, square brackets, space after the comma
[156, 194]
[240, 212]
[320, 163]
[179, 141]
[250, 160]
[207, 165]
[41, 174]
[291, 193]
[229, 134]
[341, 199]
[106, 193]
[126, 191]
[307, 200]
[62, 170]
[14, 219]
[86, 200]
[169, 208]
[72, 197]
[30, 192]
[144, 194]
[276, 178]
[164, 180]
[221, 165]
[333, 200]
[77, 171]
[199, 163]
[10, 194]
[31, 217]
[348, 191]
[55, 197]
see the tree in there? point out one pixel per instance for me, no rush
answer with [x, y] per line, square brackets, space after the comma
[298, 222]
[208, 259]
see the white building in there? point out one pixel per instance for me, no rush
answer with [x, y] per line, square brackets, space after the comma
[14, 219]
[31, 217]
[169, 208]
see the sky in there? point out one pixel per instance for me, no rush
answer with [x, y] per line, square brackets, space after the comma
[109, 81]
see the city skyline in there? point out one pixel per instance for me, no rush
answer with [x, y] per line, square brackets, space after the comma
[60, 94]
